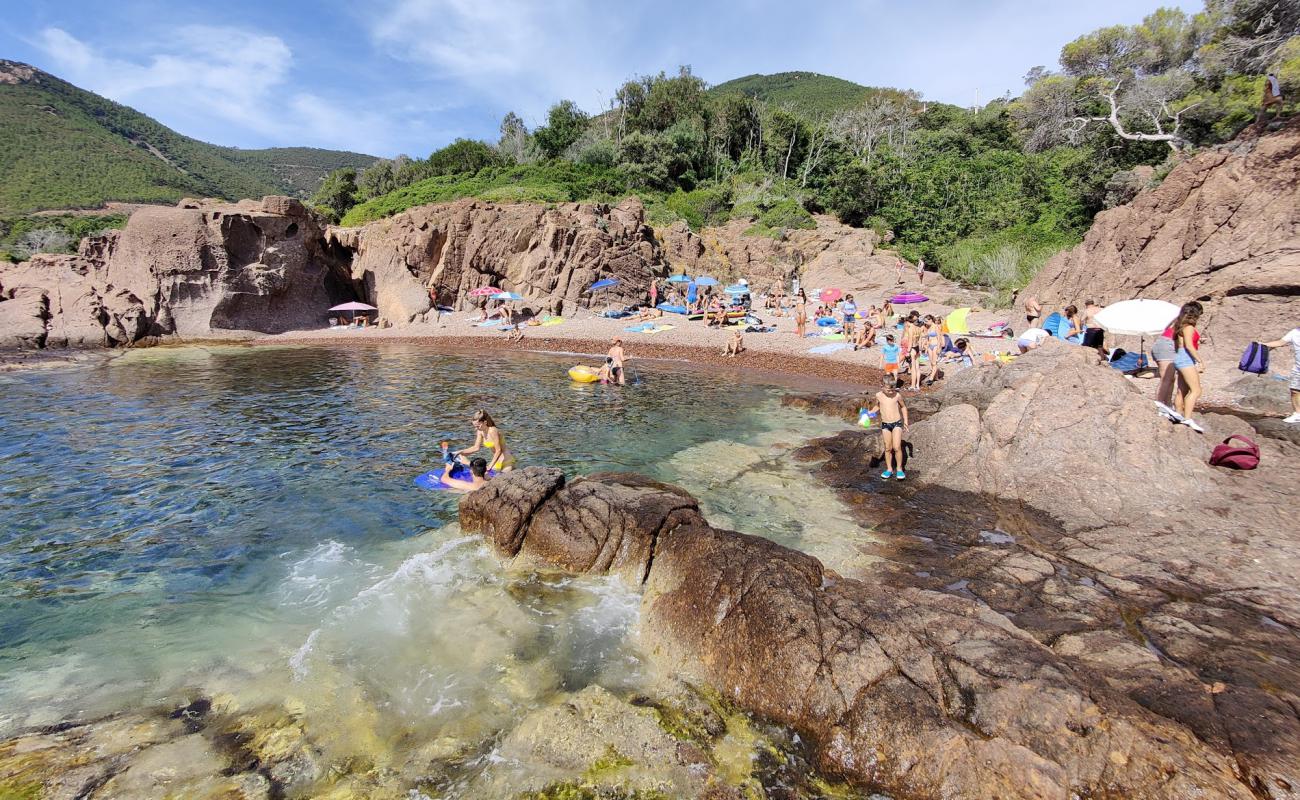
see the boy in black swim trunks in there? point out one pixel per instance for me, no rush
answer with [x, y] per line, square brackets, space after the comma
[893, 424]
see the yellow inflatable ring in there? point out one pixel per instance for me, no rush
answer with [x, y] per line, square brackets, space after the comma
[583, 374]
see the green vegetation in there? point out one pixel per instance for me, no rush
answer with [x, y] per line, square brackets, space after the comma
[807, 93]
[20, 237]
[63, 147]
[985, 194]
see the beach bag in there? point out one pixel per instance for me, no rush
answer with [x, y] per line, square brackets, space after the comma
[1255, 359]
[1235, 456]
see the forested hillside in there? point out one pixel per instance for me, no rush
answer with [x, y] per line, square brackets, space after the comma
[63, 147]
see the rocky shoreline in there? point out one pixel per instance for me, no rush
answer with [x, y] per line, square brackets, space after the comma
[1015, 630]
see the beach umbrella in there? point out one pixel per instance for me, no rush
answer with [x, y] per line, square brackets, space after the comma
[1137, 317]
[484, 291]
[957, 321]
[737, 289]
[679, 279]
[506, 296]
[354, 307]
[605, 284]
[705, 280]
[829, 295]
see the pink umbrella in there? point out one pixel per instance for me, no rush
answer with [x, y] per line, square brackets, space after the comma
[353, 307]
[484, 291]
[830, 295]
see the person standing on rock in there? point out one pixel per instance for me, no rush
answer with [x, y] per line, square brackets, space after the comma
[1272, 97]
[1033, 310]
[1162, 352]
[1292, 338]
[898, 265]
[893, 424]
[1093, 335]
[920, 272]
[1187, 360]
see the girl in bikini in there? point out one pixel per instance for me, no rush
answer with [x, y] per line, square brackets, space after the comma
[487, 434]
[800, 313]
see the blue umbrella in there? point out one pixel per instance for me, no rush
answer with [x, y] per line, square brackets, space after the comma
[605, 284]
[737, 289]
[705, 280]
[679, 279]
[506, 296]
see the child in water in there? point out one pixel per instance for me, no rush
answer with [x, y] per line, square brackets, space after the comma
[477, 476]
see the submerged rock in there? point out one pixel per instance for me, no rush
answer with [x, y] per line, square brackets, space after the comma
[916, 692]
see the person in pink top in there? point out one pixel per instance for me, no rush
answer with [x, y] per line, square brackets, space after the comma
[1162, 352]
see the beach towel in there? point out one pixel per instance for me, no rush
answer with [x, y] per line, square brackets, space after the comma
[492, 323]
[672, 309]
[552, 321]
[834, 337]
[825, 349]
[659, 329]
[1130, 362]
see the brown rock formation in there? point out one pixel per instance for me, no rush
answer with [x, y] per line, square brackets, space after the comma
[550, 256]
[908, 690]
[185, 271]
[1223, 228]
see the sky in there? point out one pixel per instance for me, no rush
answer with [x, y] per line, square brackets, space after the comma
[408, 76]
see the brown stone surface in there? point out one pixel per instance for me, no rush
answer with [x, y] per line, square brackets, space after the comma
[503, 510]
[550, 256]
[923, 689]
[1223, 228]
[197, 270]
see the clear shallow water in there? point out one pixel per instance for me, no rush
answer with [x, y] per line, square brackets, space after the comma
[242, 522]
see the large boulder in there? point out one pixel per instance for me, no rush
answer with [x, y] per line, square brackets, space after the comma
[198, 270]
[918, 693]
[1222, 228]
[549, 255]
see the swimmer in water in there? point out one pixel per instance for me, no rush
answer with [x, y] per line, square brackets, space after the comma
[477, 476]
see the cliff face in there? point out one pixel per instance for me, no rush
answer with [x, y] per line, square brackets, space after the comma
[1223, 228]
[192, 271]
[550, 256]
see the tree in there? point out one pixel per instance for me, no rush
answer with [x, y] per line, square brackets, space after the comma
[42, 240]
[461, 156]
[1245, 35]
[565, 122]
[377, 179]
[515, 143]
[337, 193]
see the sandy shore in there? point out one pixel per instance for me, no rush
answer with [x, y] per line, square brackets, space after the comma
[778, 353]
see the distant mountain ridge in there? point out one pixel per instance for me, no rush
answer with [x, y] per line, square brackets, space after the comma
[65, 147]
[809, 93]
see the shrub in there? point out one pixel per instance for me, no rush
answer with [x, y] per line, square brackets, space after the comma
[701, 207]
[787, 215]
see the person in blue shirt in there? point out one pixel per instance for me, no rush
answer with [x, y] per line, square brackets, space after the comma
[889, 356]
[849, 310]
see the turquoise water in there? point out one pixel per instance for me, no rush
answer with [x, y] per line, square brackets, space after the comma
[242, 521]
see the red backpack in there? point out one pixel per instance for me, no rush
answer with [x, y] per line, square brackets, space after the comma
[1234, 455]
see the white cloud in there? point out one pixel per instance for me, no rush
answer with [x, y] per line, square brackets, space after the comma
[523, 55]
[204, 80]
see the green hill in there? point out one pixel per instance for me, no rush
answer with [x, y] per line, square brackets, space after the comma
[64, 147]
[808, 92]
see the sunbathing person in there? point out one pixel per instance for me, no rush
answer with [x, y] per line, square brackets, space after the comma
[477, 476]
[650, 313]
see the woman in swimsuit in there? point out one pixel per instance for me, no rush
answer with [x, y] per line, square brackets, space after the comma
[487, 434]
[933, 346]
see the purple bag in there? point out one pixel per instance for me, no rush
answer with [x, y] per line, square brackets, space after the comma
[1255, 359]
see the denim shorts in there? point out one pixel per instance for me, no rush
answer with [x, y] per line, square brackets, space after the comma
[1183, 359]
[1163, 349]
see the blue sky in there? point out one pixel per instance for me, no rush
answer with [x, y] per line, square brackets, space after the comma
[408, 76]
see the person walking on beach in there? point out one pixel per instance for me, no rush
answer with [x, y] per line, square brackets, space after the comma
[898, 266]
[890, 354]
[800, 313]
[654, 292]
[893, 424]
[920, 272]
[617, 373]
[1292, 338]
[1187, 360]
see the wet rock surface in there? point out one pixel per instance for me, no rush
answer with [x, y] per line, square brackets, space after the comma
[972, 666]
